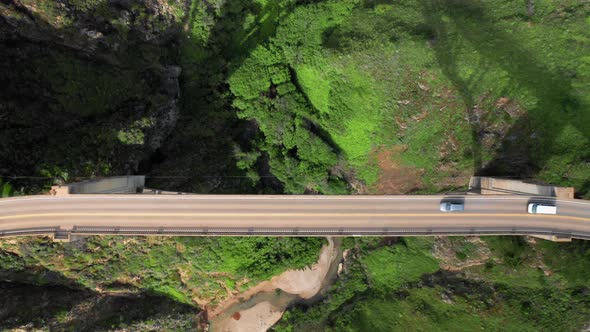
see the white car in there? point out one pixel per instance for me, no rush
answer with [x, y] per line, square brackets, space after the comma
[452, 206]
[538, 208]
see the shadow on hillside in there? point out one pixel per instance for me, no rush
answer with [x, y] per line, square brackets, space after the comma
[34, 296]
[524, 150]
[200, 152]
[72, 87]
[29, 303]
[60, 115]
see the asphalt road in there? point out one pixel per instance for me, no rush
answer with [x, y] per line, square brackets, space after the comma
[287, 215]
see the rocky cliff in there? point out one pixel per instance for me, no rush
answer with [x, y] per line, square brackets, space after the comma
[90, 87]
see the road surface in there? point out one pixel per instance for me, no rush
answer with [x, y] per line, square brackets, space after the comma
[286, 215]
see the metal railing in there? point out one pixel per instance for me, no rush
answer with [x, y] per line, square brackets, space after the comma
[268, 231]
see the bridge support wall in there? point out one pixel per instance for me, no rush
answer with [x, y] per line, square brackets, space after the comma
[130, 184]
[492, 186]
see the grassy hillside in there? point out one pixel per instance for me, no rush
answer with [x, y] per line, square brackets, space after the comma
[491, 87]
[300, 96]
[28, 307]
[188, 270]
[492, 283]
[500, 284]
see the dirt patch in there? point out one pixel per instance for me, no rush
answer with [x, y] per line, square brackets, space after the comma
[259, 318]
[307, 282]
[395, 178]
[456, 255]
[455, 176]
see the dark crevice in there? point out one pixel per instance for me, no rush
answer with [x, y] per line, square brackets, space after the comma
[310, 125]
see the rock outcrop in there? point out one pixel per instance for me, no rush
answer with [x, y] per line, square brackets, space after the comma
[91, 86]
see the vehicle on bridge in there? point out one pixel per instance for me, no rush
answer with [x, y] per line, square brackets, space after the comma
[538, 208]
[452, 206]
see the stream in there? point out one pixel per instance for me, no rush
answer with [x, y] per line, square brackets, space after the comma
[260, 311]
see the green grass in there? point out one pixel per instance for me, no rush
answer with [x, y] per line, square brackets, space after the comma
[515, 266]
[463, 249]
[570, 261]
[389, 268]
[181, 268]
[411, 73]
[398, 287]
[423, 309]
[6, 189]
[316, 85]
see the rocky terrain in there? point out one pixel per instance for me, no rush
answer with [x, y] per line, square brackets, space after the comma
[90, 87]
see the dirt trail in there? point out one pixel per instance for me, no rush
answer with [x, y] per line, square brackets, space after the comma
[297, 283]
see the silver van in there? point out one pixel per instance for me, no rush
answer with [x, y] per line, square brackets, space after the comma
[538, 208]
[452, 206]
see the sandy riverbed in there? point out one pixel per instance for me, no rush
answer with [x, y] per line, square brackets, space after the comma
[304, 283]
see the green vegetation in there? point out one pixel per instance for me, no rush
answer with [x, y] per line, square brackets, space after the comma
[181, 268]
[389, 268]
[570, 260]
[397, 286]
[425, 309]
[73, 309]
[80, 76]
[463, 88]
[304, 97]
[6, 189]
[298, 97]
[85, 90]
[378, 268]
[568, 263]
[463, 249]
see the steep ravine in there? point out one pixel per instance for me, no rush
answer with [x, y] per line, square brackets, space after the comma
[93, 87]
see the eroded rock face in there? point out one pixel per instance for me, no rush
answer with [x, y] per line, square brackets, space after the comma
[92, 26]
[90, 87]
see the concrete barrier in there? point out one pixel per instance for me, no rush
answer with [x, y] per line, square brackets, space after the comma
[130, 184]
[494, 186]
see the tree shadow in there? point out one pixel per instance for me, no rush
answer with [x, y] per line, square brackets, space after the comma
[75, 106]
[74, 80]
[34, 293]
[526, 147]
[72, 307]
[201, 149]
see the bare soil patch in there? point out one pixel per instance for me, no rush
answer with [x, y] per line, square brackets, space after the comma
[445, 251]
[395, 178]
[259, 318]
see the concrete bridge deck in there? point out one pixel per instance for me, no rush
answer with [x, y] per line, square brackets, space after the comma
[219, 215]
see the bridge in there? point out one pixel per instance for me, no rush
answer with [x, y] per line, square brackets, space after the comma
[286, 215]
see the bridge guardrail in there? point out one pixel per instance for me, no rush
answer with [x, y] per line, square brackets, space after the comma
[266, 231]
